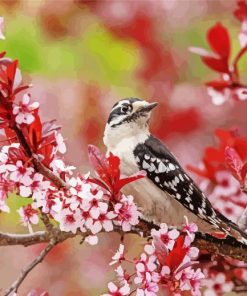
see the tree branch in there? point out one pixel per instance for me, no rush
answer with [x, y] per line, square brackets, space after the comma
[14, 287]
[226, 247]
[39, 166]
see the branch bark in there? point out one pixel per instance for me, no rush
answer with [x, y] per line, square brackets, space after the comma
[14, 287]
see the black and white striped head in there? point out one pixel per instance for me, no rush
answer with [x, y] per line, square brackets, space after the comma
[130, 110]
[128, 117]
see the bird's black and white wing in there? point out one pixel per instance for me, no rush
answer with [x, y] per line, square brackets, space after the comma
[164, 170]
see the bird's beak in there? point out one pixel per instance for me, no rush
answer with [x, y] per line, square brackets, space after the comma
[147, 107]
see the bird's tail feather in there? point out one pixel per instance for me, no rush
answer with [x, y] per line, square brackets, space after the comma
[232, 229]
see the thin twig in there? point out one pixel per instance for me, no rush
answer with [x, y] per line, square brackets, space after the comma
[14, 287]
[46, 221]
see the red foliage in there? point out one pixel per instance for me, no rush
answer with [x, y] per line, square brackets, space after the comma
[241, 11]
[108, 169]
[231, 153]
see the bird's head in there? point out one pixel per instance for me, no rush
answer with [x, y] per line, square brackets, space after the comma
[128, 117]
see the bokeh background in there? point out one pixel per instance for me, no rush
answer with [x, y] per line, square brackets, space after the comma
[83, 56]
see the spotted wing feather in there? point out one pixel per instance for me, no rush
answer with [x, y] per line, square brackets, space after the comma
[164, 170]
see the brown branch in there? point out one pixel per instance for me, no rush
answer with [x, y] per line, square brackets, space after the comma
[226, 247]
[39, 166]
[14, 287]
[9, 239]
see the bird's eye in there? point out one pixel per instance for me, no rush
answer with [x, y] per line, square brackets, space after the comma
[125, 108]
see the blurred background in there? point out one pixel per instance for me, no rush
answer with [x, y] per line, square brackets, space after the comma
[83, 56]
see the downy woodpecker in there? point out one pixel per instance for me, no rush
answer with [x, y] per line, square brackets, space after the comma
[167, 193]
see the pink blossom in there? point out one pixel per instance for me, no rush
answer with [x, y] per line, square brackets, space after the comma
[104, 220]
[24, 111]
[122, 274]
[59, 166]
[119, 255]
[127, 213]
[3, 206]
[167, 237]
[92, 240]
[61, 147]
[229, 209]
[22, 174]
[68, 220]
[4, 165]
[227, 185]
[243, 34]
[217, 285]
[116, 291]
[190, 280]
[190, 228]
[6, 186]
[29, 216]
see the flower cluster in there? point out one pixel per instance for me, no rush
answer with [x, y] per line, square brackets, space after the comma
[32, 159]
[228, 86]
[165, 263]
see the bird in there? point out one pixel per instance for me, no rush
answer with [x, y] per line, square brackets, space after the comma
[167, 193]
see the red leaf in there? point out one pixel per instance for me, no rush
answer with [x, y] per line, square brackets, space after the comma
[219, 85]
[241, 11]
[114, 167]
[99, 163]
[35, 132]
[219, 65]
[234, 162]
[177, 254]
[16, 154]
[108, 170]
[122, 182]
[11, 70]
[2, 54]
[219, 40]
[21, 88]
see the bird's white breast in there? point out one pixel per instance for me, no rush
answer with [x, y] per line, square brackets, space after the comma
[156, 205]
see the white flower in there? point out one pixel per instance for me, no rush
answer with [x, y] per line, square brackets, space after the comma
[118, 256]
[24, 111]
[61, 147]
[69, 221]
[22, 174]
[1, 28]
[217, 285]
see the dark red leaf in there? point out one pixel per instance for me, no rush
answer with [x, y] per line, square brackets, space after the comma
[219, 65]
[2, 54]
[35, 132]
[108, 169]
[177, 254]
[234, 162]
[122, 182]
[16, 154]
[11, 70]
[100, 163]
[114, 167]
[219, 85]
[219, 40]
[241, 11]
[21, 88]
